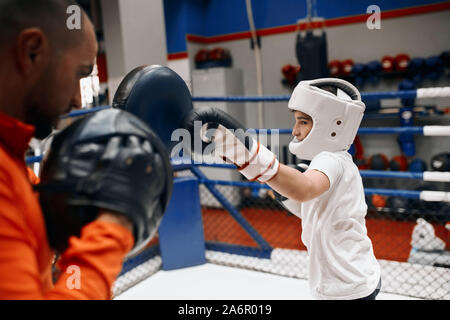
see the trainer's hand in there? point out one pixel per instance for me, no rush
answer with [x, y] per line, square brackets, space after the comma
[131, 179]
[233, 144]
[108, 162]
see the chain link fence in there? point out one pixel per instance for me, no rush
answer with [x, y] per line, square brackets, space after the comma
[247, 228]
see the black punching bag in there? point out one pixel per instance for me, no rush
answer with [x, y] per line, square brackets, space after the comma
[312, 55]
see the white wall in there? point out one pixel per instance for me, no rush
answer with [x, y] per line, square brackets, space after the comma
[135, 35]
[182, 67]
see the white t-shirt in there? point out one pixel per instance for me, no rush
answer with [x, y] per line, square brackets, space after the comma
[342, 264]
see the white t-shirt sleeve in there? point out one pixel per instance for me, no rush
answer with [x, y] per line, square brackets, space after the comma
[329, 164]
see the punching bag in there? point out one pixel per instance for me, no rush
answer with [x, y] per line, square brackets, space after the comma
[312, 55]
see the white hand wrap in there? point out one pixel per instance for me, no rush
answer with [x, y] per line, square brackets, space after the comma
[259, 163]
[263, 165]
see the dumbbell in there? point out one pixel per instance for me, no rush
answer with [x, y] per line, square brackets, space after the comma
[347, 67]
[417, 165]
[373, 71]
[378, 162]
[399, 163]
[401, 62]
[434, 67]
[387, 64]
[441, 162]
[335, 68]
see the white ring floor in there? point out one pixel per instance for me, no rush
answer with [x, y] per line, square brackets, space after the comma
[216, 282]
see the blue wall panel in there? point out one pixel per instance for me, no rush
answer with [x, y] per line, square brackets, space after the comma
[218, 17]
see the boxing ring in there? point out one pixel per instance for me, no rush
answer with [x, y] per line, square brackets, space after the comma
[193, 241]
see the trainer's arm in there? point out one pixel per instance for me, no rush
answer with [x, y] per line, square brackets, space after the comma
[299, 186]
[98, 255]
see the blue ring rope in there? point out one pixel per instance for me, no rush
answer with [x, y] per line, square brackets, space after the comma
[364, 96]
[377, 130]
[364, 173]
[410, 194]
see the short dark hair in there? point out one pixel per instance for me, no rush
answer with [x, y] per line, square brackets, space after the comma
[49, 15]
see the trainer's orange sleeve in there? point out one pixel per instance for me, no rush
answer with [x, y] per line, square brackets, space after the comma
[90, 265]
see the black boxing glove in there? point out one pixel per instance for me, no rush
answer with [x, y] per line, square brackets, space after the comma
[158, 96]
[110, 160]
[232, 143]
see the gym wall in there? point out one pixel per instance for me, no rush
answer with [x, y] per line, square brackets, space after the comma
[412, 27]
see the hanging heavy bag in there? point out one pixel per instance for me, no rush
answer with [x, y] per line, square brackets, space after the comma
[312, 55]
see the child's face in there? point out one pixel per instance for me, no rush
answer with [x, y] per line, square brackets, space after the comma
[303, 125]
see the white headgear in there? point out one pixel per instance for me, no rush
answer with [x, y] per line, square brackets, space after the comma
[336, 119]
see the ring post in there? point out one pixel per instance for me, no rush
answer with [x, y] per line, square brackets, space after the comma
[181, 238]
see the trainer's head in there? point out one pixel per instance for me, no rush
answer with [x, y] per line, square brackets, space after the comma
[44, 52]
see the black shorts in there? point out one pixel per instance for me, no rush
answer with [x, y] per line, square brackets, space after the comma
[374, 294]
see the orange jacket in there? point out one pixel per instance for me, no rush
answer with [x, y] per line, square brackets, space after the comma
[88, 267]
